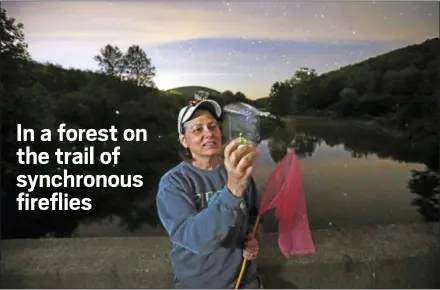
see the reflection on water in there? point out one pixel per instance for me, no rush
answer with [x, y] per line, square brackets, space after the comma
[344, 191]
[352, 175]
[425, 184]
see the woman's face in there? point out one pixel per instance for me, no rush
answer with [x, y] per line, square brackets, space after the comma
[202, 135]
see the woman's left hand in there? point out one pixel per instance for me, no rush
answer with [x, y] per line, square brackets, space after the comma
[251, 248]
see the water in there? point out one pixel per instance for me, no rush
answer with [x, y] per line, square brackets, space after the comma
[344, 191]
[352, 175]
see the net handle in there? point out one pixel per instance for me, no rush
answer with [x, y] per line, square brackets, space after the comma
[243, 265]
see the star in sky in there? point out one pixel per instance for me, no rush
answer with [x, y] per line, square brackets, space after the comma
[240, 46]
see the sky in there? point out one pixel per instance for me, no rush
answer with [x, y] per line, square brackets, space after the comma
[239, 46]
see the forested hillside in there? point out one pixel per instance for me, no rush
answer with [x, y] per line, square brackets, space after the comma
[122, 94]
[399, 90]
[398, 86]
[39, 96]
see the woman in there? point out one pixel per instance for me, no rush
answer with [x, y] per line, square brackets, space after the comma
[207, 204]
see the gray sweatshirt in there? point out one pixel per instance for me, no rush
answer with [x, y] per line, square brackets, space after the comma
[207, 226]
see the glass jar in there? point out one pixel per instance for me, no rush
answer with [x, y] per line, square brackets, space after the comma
[241, 121]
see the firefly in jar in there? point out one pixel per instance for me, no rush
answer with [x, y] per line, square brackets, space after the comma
[241, 121]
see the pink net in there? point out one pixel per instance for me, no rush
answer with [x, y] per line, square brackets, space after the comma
[284, 193]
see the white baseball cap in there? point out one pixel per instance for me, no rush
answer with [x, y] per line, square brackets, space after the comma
[186, 112]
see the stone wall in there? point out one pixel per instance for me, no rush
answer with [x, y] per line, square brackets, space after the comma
[394, 256]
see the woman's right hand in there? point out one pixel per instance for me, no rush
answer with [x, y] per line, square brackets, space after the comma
[238, 163]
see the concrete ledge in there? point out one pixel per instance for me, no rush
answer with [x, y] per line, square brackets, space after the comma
[394, 256]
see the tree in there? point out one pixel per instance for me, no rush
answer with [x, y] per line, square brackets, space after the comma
[280, 97]
[111, 60]
[12, 38]
[227, 97]
[300, 83]
[302, 75]
[404, 81]
[13, 52]
[133, 66]
[240, 97]
[348, 102]
[284, 96]
[138, 67]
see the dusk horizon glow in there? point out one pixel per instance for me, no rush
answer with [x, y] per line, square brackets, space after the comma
[237, 46]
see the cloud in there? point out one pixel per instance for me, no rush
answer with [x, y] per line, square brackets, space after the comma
[148, 23]
[238, 45]
[249, 55]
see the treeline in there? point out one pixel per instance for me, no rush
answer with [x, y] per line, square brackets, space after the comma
[41, 96]
[399, 90]
[123, 94]
[399, 87]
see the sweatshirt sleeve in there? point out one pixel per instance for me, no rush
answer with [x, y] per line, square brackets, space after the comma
[199, 232]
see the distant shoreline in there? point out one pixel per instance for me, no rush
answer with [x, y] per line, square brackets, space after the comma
[334, 121]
